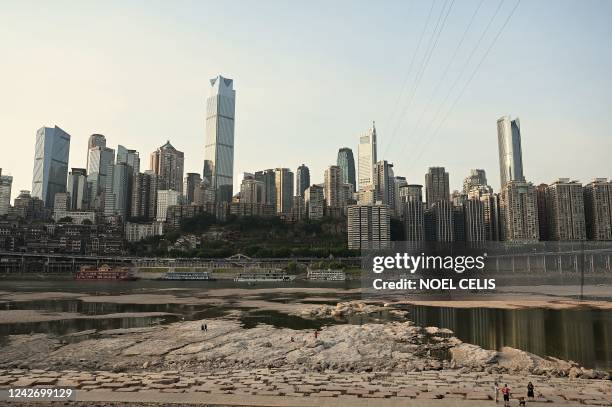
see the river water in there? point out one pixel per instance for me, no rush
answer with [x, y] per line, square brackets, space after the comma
[583, 335]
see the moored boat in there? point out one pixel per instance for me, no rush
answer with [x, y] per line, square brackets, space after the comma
[105, 272]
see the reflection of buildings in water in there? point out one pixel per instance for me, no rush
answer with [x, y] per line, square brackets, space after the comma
[575, 340]
[525, 329]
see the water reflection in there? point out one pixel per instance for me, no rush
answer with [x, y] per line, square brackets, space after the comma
[581, 335]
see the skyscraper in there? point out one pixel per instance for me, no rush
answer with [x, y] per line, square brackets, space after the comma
[284, 190]
[436, 186]
[367, 157]
[565, 205]
[219, 144]
[192, 180]
[443, 218]
[346, 162]
[510, 152]
[368, 227]
[314, 202]
[6, 183]
[165, 199]
[50, 163]
[384, 184]
[99, 158]
[167, 162]
[129, 157]
[333, 187]
[519, 212]
[77, 188]
[144, 195]
[117, 197]
[598, 209]
[476, 178]
[251, 190]
[475, 227]
[268, 177]
[302, 180]
[412, 212]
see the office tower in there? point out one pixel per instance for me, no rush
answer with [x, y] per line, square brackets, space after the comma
[333, 187]
[167, 163]
[302, 180]
[436, 186]
[28, 207]
[384, 184]
[284, 190]
[268, 177]
[443, 218]
[77, 188]
[165, 199]
[251, 190]
[219, 144]
[367, 157]
[50, 163]
[129, 157]
[543, 222]
[474, 221]
[429, 225]
[203, 194]
[476, 178]
[490, 202]
[117, 196]
[298, 209]
[458, 198]
[510, 152]
[314, 202]
[411, 192]
[519, 212]
[99, 159]
[346, 162]
[368, 227]
[366, 195]
[598, 209]
[413, 217]
[192, 180]
[398, 184]
[6, 183]
[565, 205]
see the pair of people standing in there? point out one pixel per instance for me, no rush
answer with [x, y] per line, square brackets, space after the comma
[505, 391]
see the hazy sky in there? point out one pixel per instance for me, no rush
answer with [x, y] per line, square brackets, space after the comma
[310, 77]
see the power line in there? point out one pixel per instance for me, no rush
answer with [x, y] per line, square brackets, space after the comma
[461, 72]
[450, 63]
[473, 74]
[433, 41]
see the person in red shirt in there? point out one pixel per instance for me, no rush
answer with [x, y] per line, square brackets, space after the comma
[506, 393]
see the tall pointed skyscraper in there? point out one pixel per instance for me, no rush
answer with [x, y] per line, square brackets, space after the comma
[219, 144]
[510, 152]
[367, 157]
[50, 164]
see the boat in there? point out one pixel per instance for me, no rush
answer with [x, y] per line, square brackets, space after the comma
[326, 275]
[187, 275]
[105, 272]
[263, 276]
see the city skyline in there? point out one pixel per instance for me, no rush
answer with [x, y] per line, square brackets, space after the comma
[136, 122]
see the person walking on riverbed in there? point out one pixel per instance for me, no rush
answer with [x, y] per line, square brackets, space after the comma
[496, 391]
[530, 392]
[506, 393]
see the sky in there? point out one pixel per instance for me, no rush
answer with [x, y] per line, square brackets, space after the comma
[310, 77]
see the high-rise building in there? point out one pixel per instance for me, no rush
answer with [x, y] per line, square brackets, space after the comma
[565, 205]
[61, 202]
[219, 144]
[411, 192]
[117, 197]
[543, 222]
[519, 212]
[192, 180]
[384, 184]
[6, 183]
[129, 157]
[268, 177]
[398, 184]
[598, 209]
[436, 186]
[302, 180]
[476, 178]
[510, 151]
[144, 196]
[333, 187]
[314, 202]
[346, 162]
[458, 198]
[167, 162]
[165, 199]
[367, 157]
[443, 218]
[251, 190]
[99, 159]
[50, 163]
[284, 190]
[28, 207]
[412, 212]
[475, 226]
[368, 227]
[77, 188]
[459, 232]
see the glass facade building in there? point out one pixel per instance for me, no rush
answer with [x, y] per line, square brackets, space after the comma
[219, 144]
[50, 163]
[346, 162]
[510, 152]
